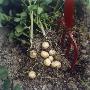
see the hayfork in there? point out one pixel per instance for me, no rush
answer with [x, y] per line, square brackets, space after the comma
[68, 21]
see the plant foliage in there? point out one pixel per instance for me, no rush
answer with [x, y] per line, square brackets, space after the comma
[26, 17]
[3, 72]
[6, 80]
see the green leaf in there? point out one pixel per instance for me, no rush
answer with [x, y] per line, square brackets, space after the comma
[40, 10]
[4, 2]
[20, 16]
[23, 14]
[17, 34]
[1, 1]
[17, 19]
[6, 84]
[32, 7]
[4, 17]
[3, 72]
[17, 87]
[19, 29]
[44, 16]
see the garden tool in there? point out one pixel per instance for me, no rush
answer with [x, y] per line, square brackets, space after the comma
[68, 21]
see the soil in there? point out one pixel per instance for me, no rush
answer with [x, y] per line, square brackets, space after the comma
[14, 58]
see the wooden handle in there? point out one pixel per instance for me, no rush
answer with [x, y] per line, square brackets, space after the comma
[69, 13]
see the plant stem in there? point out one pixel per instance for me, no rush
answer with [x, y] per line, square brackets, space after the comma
[42, 28]
[31, 29]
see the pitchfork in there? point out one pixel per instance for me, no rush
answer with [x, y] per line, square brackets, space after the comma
[68, 21]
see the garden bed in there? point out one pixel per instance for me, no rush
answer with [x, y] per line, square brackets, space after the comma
[47, 78]
[40, 49]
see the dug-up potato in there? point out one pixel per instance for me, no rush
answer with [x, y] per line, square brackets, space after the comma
[45, 45]
[44, 54]
[32, 74]
[52, 52]
[56, 64]
[33, 54]
[51, 58]
[47, 62]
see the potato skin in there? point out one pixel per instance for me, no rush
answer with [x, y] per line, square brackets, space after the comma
[51, 58]
[52, 52]
[32, 74]
[33, 54]
[45, 45]
[44, 54]
[47, 62]
[56, 64]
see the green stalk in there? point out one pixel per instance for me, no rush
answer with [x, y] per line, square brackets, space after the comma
[37, 19]
[31, 28]
[42, 28]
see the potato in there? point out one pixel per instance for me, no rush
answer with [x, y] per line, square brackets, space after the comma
[52, 52]
[56, 64]
[44, 54]
[51, 58]
[32, 74]
[33, 54]
[45, 45]
[47, 62]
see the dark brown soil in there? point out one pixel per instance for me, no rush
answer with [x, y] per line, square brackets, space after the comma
[15, 59]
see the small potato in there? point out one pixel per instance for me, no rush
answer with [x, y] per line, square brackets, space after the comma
[51, 58]
[45, 45]
[47, 62]
[52, 52]
[33, 54]
[56, 64]
[44, 54]
[32, 74]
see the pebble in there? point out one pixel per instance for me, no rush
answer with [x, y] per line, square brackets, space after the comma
[20, 60]
[84, 51]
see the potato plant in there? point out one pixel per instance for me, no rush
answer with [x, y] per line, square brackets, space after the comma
[26, 18]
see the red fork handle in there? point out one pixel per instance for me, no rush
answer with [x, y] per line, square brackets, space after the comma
[68, 19]
[69, 13]
[68, 22]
